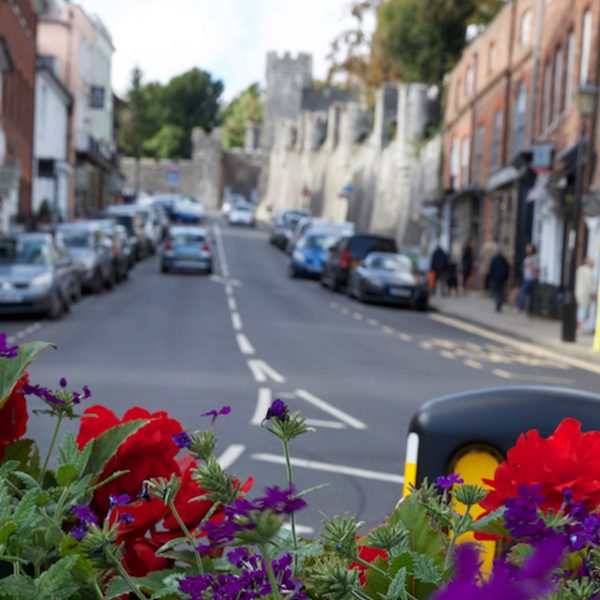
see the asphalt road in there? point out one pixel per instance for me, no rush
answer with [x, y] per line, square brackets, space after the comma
[249, 334]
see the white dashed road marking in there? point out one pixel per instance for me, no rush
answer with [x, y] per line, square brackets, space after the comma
[262, 371]
[236, 321]
[265, 397]
[231, 455]
[332, 410]
[245, 346]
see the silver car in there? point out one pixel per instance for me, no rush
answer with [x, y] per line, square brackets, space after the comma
[37, 275]
[186, 248]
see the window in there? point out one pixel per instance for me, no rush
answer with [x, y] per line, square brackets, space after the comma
[558, 73]
[586, 38]
[496, 140]
[546, 97]
[492, 57]
[478, 158]
[525, 28]
[568, 89]
[454, 161]
[465, 157]
[520, 118]
[469, 81]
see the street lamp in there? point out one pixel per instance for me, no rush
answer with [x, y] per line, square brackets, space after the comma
[585, 100]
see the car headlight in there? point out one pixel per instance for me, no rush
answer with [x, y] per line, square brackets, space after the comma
[44, 279]
[298, 256]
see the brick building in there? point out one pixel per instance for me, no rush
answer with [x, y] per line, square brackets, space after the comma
[18, 26]
[511, 132]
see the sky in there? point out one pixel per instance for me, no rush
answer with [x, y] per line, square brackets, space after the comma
[228, 38]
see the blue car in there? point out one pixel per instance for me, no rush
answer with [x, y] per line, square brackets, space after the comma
[186, 248]
[310, 252]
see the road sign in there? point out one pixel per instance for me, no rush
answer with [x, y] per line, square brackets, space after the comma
[173, 175]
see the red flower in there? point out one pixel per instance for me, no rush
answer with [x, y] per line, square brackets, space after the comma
[368, 555]
[147, 453]
[140, 556]
[567, 458]
[14, 416]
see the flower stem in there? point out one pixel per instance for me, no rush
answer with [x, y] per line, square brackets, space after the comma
[188, 535]
[371, 566]
[125, 575]
[290, 476]
[456, 534]
[269, 568]
[50, 449]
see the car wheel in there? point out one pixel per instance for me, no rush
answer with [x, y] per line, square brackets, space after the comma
[97, 283]
[76, 293]
[421, 305]
[110, 282]
[57, 308]
[293, 272]
[164, 268]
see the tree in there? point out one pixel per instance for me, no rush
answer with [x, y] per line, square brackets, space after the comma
[166, 143]
[245, 108]
[423, 40]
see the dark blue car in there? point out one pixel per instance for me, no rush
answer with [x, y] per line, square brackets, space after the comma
[310, 252]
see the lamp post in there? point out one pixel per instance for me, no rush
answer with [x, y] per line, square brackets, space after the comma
[585, 100]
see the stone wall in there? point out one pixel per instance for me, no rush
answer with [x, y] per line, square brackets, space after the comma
[154, 175]
[373, 169]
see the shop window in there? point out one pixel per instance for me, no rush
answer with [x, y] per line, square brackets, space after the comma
[586, 39]
[519, 123]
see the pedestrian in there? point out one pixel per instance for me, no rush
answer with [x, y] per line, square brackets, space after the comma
[439, 264]
[498, 276]
[488, 251]
[531, 273]
[584, 293]
[466, 265]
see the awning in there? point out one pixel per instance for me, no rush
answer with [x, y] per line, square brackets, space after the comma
[503, 177]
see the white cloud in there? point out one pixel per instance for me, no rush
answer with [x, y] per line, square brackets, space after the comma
[228, 38]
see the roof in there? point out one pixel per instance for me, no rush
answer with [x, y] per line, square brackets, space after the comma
[187, 229]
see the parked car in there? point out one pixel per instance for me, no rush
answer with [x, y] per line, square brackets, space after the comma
[390, 279]
[313, 224]
[186, 248]
[37, 275]
[241, 214]
[284, 225]
[92, 253]
[167, 203]
[127, 246]
[188, 210]
[310, 253]
[231, 201]
[347, 253]
[115, 245]
[133, 220]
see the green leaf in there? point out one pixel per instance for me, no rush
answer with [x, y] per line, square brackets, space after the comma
[58, 582]
[12, 369]
[154, 582]
[6, 531]
[68, 452]
[26, 507]
[17, 587]
[310, 490]
[26, 453]
[492, 524]
[398, 585]
[426, 570]
[171, 544]
[7, 467]
[66, 475]
[377, 584]
[104, 447]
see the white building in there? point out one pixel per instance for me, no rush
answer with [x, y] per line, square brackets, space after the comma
[51, 168]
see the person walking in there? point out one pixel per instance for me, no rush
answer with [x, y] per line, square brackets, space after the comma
[498, 276]
[488, 251]
[531, 273]
[439, 264]
[466, 265]
[584, 293]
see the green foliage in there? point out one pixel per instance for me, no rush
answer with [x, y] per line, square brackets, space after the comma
[246, 108]
[159, 119]
[11, 370]
[425, 39]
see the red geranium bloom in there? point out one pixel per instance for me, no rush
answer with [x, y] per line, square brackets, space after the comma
[369, 555]
[567, 458]
[14, 416]
[147, 453]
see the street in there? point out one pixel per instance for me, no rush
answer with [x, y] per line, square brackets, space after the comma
[248, 335]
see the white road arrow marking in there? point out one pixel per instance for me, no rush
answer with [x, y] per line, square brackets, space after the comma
[332, 410]
[231, 455]
[245, 346]
[340, 469]
[225, 280]
[261, 371]
[265, 399]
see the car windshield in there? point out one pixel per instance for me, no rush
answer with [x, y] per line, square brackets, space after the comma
[318, 242]
[184, 239]
[360, 246]
[127, 222]
[77, 239]
[399, 264]
[291, 223]
[242, 209]
[24, 252]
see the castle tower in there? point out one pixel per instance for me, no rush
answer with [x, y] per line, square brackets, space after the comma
[287, 77]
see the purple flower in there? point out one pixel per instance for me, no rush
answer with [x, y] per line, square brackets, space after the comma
[215, 413]
[7, 351]
[121, 500]
[238, 557]
[280, 501]
[522, 517]
[76, 398]
[278, 410]
[126, 518]
[182, 440]
[446, 482]
[62, 382]
[43, 394]
[79, 531]
[85, 514]
[86, 392]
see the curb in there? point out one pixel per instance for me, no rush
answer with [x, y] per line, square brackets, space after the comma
[559, 348]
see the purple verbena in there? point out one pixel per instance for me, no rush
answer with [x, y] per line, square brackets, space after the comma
[280, 501]
[278, 410]
[522, 517]
[7, 351]
[446, 482]
[85, 514]
[182, 440]
[215, 413]
[126, 518]
[120, 500]
[78, 532]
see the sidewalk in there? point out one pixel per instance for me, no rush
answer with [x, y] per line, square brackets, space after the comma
[478, 309]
